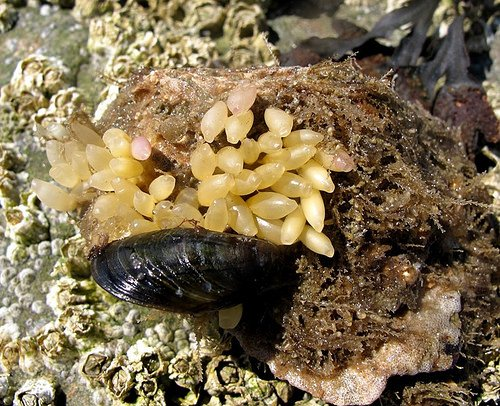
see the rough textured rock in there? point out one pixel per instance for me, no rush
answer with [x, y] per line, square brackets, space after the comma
[411, 225]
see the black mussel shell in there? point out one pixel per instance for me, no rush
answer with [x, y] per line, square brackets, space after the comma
[191, 270]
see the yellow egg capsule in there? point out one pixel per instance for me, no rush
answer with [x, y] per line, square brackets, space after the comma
[188, 195]
[118, 142]
[216, 217]
[72, 147]
[53, 196]
[314, 210]
[246, 182]
[317, 175]
[162, 187]
[230, 160]
[64, 174]
[55, 152]
[293, 225]
[278, 121]
[240, 218]
[214, 187]
[144, 203]
[102, 180]
[269, 230]
[165, 217]
[250, 149]
[270, 142]
[98, 157]
[191, 215]
[105, 206]
[292, 185]
[80, 165]
[139, 226]
[126, 167]
[271, 205]
[86, 135]
[213, 121]
[237, 127]
[203, 161]
[305, 136]
[124, 190]
[317, 242]
[282, 156]
[299, 155]
[269, 173]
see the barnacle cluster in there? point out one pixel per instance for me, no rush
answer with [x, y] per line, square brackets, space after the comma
[269, 187]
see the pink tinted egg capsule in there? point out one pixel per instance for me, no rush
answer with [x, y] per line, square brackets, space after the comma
[141, 148]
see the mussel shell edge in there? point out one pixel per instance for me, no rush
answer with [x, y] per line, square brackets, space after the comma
[191, 270]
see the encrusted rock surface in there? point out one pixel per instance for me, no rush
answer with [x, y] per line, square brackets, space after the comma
[411, 225]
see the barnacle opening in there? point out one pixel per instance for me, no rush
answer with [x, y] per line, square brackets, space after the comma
[268, 185]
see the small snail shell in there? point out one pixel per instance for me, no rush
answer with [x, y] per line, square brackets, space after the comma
[191, 270]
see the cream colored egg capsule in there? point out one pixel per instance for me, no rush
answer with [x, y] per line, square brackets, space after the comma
[278, 121]
[165, 217]
[105, 206]
[139, 226]
[191, 215]
[188, 195]
[292, 185]
[317, 242]
[292, 227]
[53, 196]
[271, 205]
[246, 182]
[216, 217]
[70, 148]
[241, 98]
[144, 203]
[126, 167]
[101, 180]
[270, 142]
[64, 175]
[240, 218]
[80, 165]
[230, 160]
[269, 173]
[98, 157]
[237, 127]
[214, 187]
[269, 230]
[317, 175]
[301, 137]
[55, 152]
[124, 190]
[203, 161]
[162, 187]
[118, 142]
[314, 210]
[250, 149]
[214, 121]
[86, 135]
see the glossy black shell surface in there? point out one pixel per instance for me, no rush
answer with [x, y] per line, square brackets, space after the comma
[191, 270]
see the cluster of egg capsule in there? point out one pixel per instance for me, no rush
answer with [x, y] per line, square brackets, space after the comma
[269, 187]
[112, 165]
